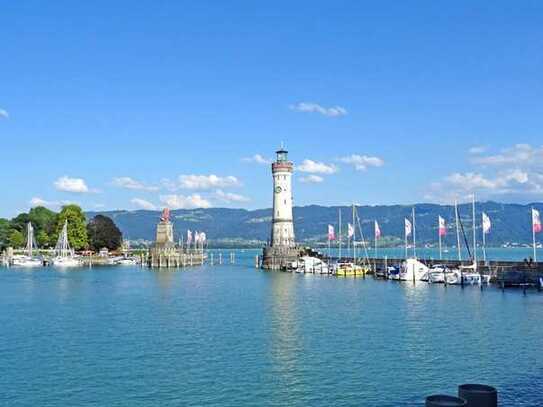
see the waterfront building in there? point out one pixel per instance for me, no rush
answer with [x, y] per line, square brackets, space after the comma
[282, 249]
[165, 253]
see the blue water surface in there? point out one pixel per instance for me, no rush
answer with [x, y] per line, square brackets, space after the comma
[231, 335]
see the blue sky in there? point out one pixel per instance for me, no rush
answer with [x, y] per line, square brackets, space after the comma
[123, 105]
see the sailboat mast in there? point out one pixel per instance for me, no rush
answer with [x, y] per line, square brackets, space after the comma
[414, 235]
[29, 239]
[457, 230]
[354, 237]
[474, 232]
[339, 234]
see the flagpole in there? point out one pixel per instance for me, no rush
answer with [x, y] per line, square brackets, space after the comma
[439, 234]
[405, 234]
[533, 236]
[484, 243]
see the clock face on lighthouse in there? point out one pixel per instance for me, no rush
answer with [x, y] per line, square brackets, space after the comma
[278, 190]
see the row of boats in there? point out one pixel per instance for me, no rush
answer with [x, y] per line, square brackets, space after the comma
[410, 270]
[63, 255]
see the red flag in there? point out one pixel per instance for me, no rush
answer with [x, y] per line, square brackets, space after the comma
[331, 233]
[442, 226]
[536, 221]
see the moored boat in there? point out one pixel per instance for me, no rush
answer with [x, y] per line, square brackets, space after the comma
[28, 259]
[65, 256]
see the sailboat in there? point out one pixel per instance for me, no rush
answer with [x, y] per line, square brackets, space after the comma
[28, 259]
[467, 274]
[64, 253]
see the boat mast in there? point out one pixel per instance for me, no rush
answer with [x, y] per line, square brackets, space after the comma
[29, 239]
[414, 235]
[457, 230]
[474, 233]
[354, 237]
[339, 234]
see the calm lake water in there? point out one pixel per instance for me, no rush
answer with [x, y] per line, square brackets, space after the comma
[232, 335]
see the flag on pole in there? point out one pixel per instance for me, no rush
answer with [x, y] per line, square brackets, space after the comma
[536, 221]
[189, 237]
[350, 232]
[442, 227]
[331, 233]
[377, 231]
[408, 227]
[486, 223]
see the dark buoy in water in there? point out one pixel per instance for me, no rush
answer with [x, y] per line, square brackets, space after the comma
[441, 400]
[478, 395]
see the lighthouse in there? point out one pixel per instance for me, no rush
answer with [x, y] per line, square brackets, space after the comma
[282, 227]
[282, 249]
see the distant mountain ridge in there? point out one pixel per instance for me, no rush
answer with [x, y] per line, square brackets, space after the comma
[511, 223]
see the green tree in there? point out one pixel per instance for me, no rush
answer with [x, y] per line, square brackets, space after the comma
[42, 239]
[77, 231]
[44, 222]
[16, 238]
[4, 233]
[19, 222]
[103, 232]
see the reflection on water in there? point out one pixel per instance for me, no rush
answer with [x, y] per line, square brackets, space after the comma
[225, 336]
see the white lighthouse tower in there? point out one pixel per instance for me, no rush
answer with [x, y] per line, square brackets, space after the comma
[282, 250]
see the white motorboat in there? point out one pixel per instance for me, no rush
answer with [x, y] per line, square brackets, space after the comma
[438, 274]
[125, 261]
[64, 253]
[413, 270]
[28, 259]
[467, 275]
[313, 265]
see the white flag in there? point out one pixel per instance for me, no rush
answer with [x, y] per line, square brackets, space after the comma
[350, 232]
[408, 227]
[189, 237]
[486, 223]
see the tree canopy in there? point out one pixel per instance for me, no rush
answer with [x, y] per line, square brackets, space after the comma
[103, 232]
[77, 231]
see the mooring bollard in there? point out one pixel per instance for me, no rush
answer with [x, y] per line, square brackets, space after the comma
[478, 395]
[440, 400]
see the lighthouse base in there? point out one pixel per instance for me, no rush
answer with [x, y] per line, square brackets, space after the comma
[279, 257]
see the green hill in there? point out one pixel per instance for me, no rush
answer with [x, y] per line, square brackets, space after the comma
[510, 222]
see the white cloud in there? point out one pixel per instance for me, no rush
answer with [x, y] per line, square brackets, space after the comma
[207, 181]
[4, 114]
[131, 183]
[518, 155]
[143, 204]
[477, 149]
[67, 184]
[258, 159]
[230, 197]
[185, 202]
[311, 179]
[362, 162]
[310, 107]
[315, 167]
[510, 183]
